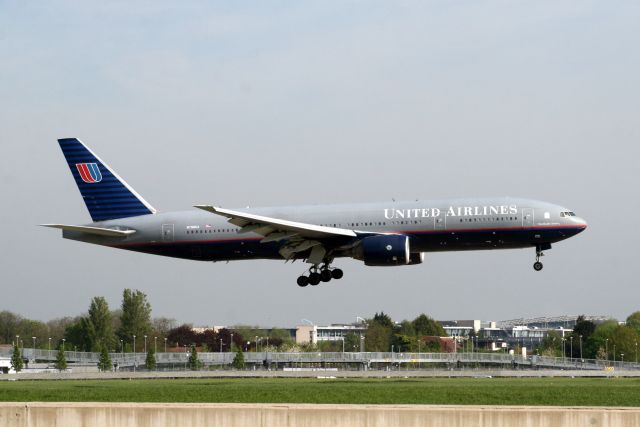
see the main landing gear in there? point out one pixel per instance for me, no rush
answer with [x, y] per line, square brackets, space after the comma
[537, 266]
[317, 275]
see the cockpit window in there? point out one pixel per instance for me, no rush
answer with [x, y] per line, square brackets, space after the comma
[567, 213]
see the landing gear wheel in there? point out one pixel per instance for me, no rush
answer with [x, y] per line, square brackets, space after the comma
[325, 275]
[337, 274]
[314, 279]
[303, 281]
[537, 266]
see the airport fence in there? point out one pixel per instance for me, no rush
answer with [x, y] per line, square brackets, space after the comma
[346, 360]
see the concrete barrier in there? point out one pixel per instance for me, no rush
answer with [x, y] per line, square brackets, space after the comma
[290, 415]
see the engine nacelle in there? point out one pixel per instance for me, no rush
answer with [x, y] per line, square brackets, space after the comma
[383, 251]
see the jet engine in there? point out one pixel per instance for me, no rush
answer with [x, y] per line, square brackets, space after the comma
[384, 250]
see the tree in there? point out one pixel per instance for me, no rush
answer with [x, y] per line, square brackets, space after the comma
[150, 361]
[16, 359]
[426, 326]
[382, 319]
[225, 335]
[552, 344]
[378, 337]
[210, 340]
[8, 326]
[162, 325]
[352, 342]
[61, 361]
[601, 338]
[633, 321]
[136, 315]
[28, 328]
[99, 325]
[623, 341]
[238, 360]
[182, 335]
[194, 363]
[104, 363]
[76, 334]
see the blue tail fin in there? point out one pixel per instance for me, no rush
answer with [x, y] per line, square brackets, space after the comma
[106, 195]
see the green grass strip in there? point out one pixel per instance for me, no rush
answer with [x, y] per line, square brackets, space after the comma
[450, 391]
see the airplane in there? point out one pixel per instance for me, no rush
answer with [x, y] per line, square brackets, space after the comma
[379, 234]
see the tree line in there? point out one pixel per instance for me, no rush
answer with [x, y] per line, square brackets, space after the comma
[608, 340]
[101, 329]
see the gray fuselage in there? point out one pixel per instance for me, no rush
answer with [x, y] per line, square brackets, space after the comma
[431, 225]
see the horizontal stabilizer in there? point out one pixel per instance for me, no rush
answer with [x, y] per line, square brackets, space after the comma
[109, 232]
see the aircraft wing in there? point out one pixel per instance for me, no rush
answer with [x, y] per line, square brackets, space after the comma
[275, 229]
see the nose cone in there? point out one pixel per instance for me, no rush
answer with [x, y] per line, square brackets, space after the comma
[580, 223]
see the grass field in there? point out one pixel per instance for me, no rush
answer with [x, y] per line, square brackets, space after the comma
[465, 391]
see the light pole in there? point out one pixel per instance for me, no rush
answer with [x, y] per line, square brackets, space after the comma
[571, 347]
[145, 344]
[606, 347]
[122, 346]
[49, 346]
[34, 343]
[165, 345]
[134, 354]
[256, 343]
[231, 343]
[343, 344]
[622, 359]
[63, 340]
[580, 347]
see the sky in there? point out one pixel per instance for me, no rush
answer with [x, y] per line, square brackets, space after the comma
[311, 102]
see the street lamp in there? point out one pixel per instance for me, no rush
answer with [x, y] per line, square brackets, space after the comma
[49, 345]
[165, 345]
[18, 341]
[231, 343]
[571, 346]
[581, 347]
[135, 362]
[34, 343]
[606, 347]
[63, 341]
[122, 346]
[145, 344]
[622, 357]
[256, 343]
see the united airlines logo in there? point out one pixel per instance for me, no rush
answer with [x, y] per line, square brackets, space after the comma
[89, 172]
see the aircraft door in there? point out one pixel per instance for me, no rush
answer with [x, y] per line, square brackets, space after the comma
[167, 232]
[440, 221]
[527, 217]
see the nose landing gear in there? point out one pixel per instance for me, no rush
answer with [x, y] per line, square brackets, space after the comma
[537, 266]
[320, 274]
